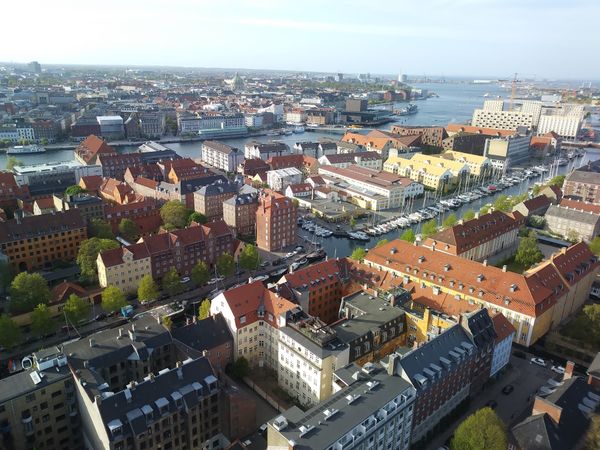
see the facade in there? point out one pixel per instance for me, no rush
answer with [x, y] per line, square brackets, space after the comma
[536, 206]
[567, 127]
[221, 156]
[91, 147]
[239, 213]
[506, 120]
[89, 206]
[583, 185]
[152, 124]
[111, 127]
[275, 221]
[124, 267]
[572, 218]
[493, 234]
[307, 149]
[265, 151]
[280, 179]
[505, 334]
[471, 143]
[373, 411]
[208, 200]
[508, 151]
[145, 213]
[381, 142]
[368, 160]
[429, 136]
[114, 166]
[432, 171]
[67, 173]
[479, 166]
[37, 241]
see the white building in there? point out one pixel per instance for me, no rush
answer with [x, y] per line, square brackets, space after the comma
[265, 150]
[188, 124]
[505, 333]
[296, 116]
[254, 120]
[16, 134]
[505, 120]
[368, 160]
[280, 179]
[222, 156]
[49, 173]
[565, 126]
[111, 126]
[507, 151]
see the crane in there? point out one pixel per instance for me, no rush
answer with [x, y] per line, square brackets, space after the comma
[513, 92]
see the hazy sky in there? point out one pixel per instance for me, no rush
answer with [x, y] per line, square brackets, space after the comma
[542, 38]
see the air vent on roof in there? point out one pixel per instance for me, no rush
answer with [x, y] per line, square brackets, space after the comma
[352, 397]
[513, 287]
[280, 423]
[329, 413]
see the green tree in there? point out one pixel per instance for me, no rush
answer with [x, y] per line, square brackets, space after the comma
[88, 254]
[558, 181]
[74, 190]
[204, 309]
[26, 291]
[197, 217]
[76, 309]
[595, 246]
[225, 265]
[174, 214]
[129, 230]
[147, 289]
[352, 222]
[10, 333]
[468, 215]
[200, 273]
[591, 314]
[484, 210]
[12, 162]
[503, 203]
[42, 323]
[249, 258]
[483, 430]
[381, 242]
[6, 275]
[296, 202]
[572, 235]
[430, 227]
[536, 221]
[167, 322]
[450, 221]
[101, 229]
[358, 254]
[592, 435]
[528, 252]
[408, 236]
[240, 368]
[43, 141]
[171, 283]
[113, 299]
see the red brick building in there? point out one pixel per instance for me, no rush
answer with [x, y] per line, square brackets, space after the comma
[275, 221]
[431, 136]
[114, 166]
[145, 213]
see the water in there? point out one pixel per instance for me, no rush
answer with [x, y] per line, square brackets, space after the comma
[455, 103]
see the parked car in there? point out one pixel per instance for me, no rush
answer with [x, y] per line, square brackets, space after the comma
[299, 249]
[508, 389]
[538, 361]
[184, 280]
[558, 369]
[290, 255]
[264, 264]
[99, 317]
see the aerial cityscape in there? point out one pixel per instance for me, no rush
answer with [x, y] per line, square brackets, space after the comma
[242, 225]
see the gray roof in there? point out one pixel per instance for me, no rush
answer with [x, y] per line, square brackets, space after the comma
[204, 335]
[220, 147]
[217, 188]
[368, 402]
[576, 215]
[20, 384]
[308, 145]
[188, 383]
[583, 176]
[242, 199]
[322, 351]
[594, 368]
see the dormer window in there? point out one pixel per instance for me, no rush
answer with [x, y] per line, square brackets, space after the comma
[243, 319]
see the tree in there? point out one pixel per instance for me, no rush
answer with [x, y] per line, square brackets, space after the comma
[381, 242]
[12, 162]
[249, 258]
[129, 229]
[88, 254]
[483, 430]
[352, 222]
[558, 181]
[101, 229]
[503, 204]
[430, 227]
[240, 368]
[6, 275]
[171, 283]
[536, 221]
[197, 217]
[174, 214]
[592, 435]
[74, 190]
[167, 322]
[42, 323]
[147, 289]
[43, 141]
[537, 188]
[572, 235]
[592, 315]
[204, 309]
[113, 299]
[225, 265]
[26, 291]
[468, 215]
[358, 254]
[10, 333]
[200, 273]
[76, 309]
[295, 202]
[408, 236]
[484, 210]
[595, 246]
[528, 252]
[450, 221]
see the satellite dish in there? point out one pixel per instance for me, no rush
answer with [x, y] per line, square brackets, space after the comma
[26, 363]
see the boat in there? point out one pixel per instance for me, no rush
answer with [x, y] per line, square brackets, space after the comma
[563, 162]
[409, 110]
[25, 149]
[298, 129]
[273, 133]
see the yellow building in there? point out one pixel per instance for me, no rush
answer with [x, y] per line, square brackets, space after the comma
[429, 175]
[124, 267]
[478, 165]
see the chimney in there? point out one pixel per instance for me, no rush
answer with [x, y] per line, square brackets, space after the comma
[92, 342]
[194, 319]
[133, 327]
[120, 333]
[391, 368]
[178, 364]
[205, 353]
[569, 368]
[485, 262]
[158, 320]
[504, 268]
[151, 377]
[98, 399]
[477, 215]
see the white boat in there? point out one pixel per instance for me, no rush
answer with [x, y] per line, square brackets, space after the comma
[298, 129]
[25, 149]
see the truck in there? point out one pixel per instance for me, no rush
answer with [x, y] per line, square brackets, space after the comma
[127, 311]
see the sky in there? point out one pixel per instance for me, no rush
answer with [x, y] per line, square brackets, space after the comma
[555, 39]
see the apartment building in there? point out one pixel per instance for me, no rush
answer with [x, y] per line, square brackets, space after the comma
[429, 136]
[381, 142]
[124, 267]
[275, 221]
[10, 191]
[305, 163]
[34, 242]
[89, 206]
[38, 407]
[565, 126]
[368, 160]
[583, 185]
[280, 179]
[145, 213]
[470, 143]
[574, 218]
[265, 151]
[152, 124]
[40, 177]
[239, 213]
[372, 410]
[221, 156]
[478, 165]
[90, 148]
[208, 200]
[372, 189]
[505, 334]
[307, 148]
[114, 166]
[254, 316]
[184, 169]
[430, 170]
[508, 151]
[487, 235]
[506, 120]
[536, 206]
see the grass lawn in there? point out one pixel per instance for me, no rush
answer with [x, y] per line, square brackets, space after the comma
[512, 265]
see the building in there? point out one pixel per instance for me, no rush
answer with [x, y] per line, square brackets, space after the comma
[253, 167]
[371, 189]
[221, 156]
[368, 160]
[429, 136]
[124, 267]
[508, 151]
[379, 141]
[116, 191]
[152, 124]
[89, 206]
[85, 126]
[145, 213]
[208, 200]
[375, 410]
[505, 334]
[593, 372]
[114, 166]
[583, 185]
[38, 408]
[184, 169]
[506, 120]
[479, 166]
[536, 206]
[10, 191]
[53, 177]
[264, 150]
[275, 221]
[432, 171]
[280, 179]
[455, 128]
[567, 127]
[239, 213]
[320, 116]
[90, 148]
[307, 164]
[34, 242]
[487, 235]
[471, 143]
[574, 219]
[307, 149]
[111, 127]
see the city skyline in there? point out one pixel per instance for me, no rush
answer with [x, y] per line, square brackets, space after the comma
[350, 37]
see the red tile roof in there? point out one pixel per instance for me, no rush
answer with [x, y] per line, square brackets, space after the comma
[285, 161]
[91, 147]
[114, 257]
[502, 327]
[61, 292]
[91, 183]
[579, 205]
[459, 128]
[300, 187]
[536, 203]
[572, 263]
[7, 179]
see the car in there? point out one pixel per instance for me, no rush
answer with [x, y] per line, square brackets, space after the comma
[299, 249]
[184, 280]
[264, 264]
[508, 389]
[290, 255]
[262, 429]
[303, 261]
[538, 361]
[211, 281]
[558, 369]
[220, 278]
[99, 317]
[492, 404]
[277, 261]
